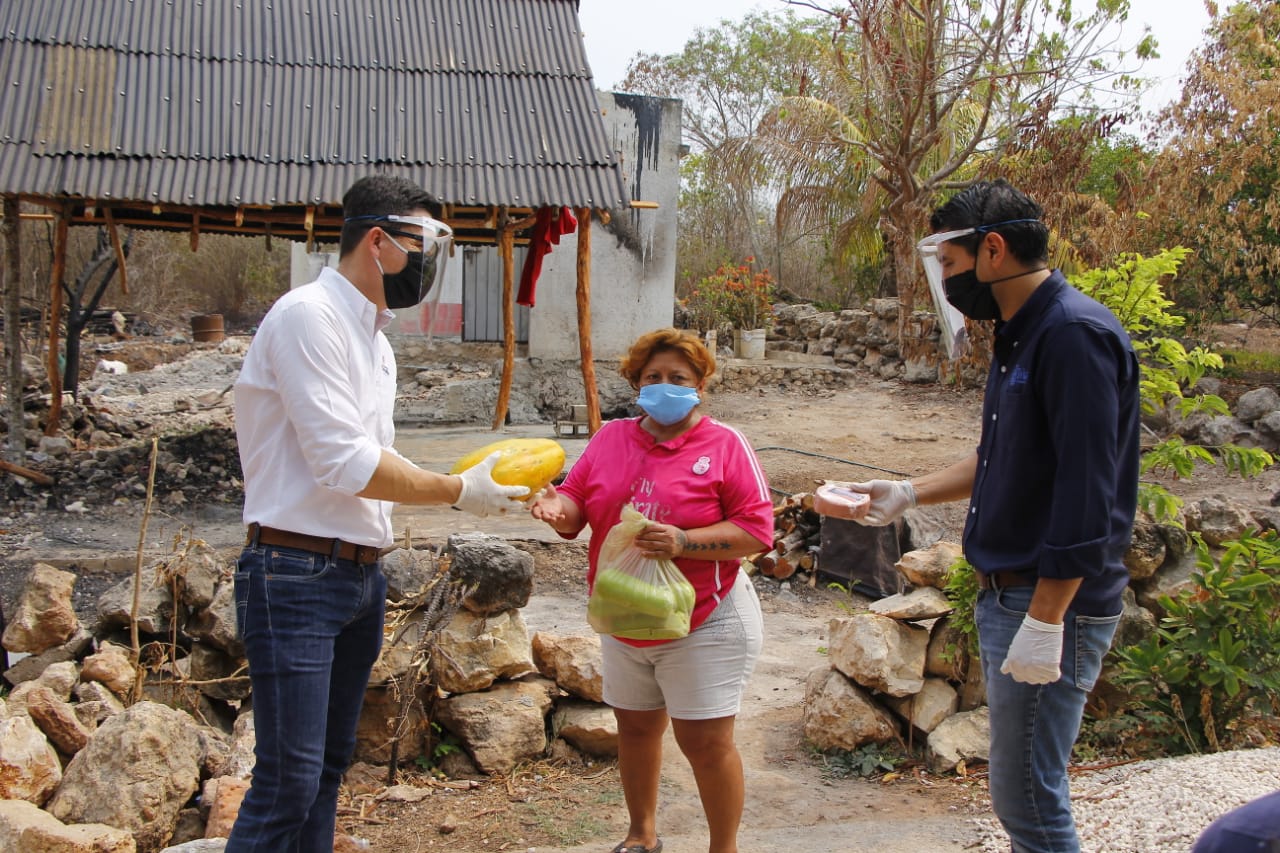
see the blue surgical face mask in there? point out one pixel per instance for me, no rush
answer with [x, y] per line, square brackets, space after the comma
[668, 404]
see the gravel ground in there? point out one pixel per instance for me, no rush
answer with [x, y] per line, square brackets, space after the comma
[1159, 806]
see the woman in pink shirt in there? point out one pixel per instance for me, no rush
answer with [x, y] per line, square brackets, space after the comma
[701, 487]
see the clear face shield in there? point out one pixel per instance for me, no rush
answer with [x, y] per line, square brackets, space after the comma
[955, 340]
[437, 241]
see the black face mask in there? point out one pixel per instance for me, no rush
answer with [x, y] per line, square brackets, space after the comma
[410, 286]
[971, 297]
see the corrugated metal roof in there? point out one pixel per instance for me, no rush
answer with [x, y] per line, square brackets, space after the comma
[206, 102]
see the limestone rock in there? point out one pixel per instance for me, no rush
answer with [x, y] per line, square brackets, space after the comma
[961, 737]
[216, 624]
[155, 606]
[1217, 519]
[474, 651]
[1136, 622]
[588, 727]
[923, 603]
[408, 572]
[223, 797]
[925, 710]
[29, 767]
[1256, 404]
[57, 720]
[1147, 549]
[33, 666]
[110, 665]
[136, 773]
[973, 693]
[200, 571]
[572, 662]
[377, 723]
[840, 715]
[948, 652]
[879, 652]
[45, 617]
[398, 652]
[928, 567]
[59, 678]
[190, 827]
[244, 739]
[217, 674]
[27, 829]
[503, 575]
[502, 726]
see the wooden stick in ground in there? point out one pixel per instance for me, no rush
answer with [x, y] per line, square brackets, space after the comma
[137, 577]
[55, 318]
[13, 328]
[506, 244]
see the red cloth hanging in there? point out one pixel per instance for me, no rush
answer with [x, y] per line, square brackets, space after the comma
[551, 224]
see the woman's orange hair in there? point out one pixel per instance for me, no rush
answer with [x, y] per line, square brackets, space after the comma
[684, 342]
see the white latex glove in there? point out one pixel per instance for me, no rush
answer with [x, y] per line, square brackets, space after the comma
[1035, 655]
[481, 495]
[889, 500]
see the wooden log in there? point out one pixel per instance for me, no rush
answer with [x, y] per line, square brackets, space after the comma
[33, 476]
[766, 562]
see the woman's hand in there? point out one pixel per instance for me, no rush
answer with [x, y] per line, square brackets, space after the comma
[548, 506]
[661, 542]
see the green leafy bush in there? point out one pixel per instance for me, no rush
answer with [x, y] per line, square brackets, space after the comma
[1132, 290]
[865, 761]
[1214, 660]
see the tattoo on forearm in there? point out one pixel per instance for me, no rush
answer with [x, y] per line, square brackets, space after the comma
[722, 545]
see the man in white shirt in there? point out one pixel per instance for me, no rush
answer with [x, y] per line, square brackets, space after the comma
[314, 423]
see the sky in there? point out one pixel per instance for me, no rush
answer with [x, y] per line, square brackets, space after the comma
[615, 31]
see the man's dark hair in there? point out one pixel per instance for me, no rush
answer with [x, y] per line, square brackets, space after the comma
[381, 195]
[989, 203]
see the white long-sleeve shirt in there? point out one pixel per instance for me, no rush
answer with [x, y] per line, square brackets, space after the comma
[314, 407]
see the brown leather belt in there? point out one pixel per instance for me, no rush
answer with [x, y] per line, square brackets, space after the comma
[362, 554]
[988, 580]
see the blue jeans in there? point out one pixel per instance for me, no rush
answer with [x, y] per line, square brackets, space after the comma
[1033, 726]
[312, 629]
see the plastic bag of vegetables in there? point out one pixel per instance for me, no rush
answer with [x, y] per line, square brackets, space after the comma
[635, 597]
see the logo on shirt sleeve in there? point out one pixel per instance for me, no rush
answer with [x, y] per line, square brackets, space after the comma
[703, 465]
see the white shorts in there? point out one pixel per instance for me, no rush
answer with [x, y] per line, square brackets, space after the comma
[698, 677]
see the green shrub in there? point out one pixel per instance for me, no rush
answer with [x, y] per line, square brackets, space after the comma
[1214, 660]
[1132, 290]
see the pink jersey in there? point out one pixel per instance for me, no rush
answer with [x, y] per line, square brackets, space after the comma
[707, 475]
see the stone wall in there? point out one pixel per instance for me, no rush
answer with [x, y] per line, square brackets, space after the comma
[868, 338]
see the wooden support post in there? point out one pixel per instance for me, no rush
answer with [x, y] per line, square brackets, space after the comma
[114, 233]
[309, 224]
[195, 232]
[584, 320]
[13, 328]
[55, 317]
[506, 250]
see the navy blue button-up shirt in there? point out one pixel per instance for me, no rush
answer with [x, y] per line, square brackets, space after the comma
[1056, 487]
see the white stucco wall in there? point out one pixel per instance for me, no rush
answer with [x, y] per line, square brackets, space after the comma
[633, 259]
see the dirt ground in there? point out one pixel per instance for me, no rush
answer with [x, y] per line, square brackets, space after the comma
[566, 805]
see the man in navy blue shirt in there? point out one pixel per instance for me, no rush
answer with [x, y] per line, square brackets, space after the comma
[1052, 491]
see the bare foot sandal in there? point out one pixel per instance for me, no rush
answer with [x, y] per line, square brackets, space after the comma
[638, 848]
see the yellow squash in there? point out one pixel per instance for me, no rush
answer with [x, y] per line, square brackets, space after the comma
[531, 462]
